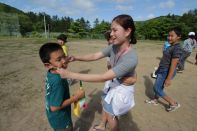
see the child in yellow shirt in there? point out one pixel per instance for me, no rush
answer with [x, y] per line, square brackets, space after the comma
[62, 39]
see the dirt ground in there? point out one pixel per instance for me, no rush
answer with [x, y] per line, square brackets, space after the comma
[22, 89]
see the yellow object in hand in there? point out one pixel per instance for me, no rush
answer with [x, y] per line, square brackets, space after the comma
[80, 104]
[77, 109]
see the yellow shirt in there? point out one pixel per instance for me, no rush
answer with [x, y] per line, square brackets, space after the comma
[65, 49]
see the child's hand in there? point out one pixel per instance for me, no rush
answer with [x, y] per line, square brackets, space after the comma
[80, 93]
[129, 80]
[167, 82]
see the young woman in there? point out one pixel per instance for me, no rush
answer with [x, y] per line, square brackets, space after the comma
[118, 99]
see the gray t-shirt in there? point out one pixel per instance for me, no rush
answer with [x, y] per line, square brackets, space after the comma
[189, 44]
[174, 51]
[125, 64]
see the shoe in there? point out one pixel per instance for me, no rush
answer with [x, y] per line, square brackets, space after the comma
[153, 75]
[179, 71]
[173, 108]
[154, 102]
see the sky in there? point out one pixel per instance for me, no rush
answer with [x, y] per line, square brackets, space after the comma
[105, 9]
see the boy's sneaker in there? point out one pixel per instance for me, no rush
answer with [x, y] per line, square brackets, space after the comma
[173, 108]
[154, 102]
[179, 71]
[153, 75]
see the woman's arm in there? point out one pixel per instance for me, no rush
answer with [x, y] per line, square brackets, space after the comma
[89, 57]
[109, 75]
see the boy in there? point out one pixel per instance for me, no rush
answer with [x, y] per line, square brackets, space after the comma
[58, 100]
[62, 39]
[167, 70]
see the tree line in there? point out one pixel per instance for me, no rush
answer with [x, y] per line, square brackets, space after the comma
[31, 23]
[157, 28]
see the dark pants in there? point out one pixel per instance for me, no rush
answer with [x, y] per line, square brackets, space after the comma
[182, 60]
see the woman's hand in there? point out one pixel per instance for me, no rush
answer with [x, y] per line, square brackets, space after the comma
[64, 73]
[71, 58]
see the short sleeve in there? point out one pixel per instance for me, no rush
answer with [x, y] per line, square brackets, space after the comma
[106, 51]
[177, 52]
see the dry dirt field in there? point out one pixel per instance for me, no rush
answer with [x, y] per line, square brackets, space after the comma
[22, 89]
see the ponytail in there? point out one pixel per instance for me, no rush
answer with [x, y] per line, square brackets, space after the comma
[133, 39]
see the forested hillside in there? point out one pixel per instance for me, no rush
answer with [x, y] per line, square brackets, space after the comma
[31, 23]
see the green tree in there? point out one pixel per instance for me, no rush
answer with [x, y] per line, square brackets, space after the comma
[25, 24]
[190, 20]
[96, 22]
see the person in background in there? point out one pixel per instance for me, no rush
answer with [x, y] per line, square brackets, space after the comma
[167, 70]
[188, 46]
[109, 42]
[62, 39]
[166, 45]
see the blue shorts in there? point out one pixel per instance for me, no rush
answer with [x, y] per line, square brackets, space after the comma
[107, 107]
[159, 83]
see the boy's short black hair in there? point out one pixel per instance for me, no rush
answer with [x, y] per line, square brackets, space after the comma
[62, 37]
[47, 49]
[177, 30]
[107, 35]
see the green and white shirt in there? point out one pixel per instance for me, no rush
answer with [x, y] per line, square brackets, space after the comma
[57, 90]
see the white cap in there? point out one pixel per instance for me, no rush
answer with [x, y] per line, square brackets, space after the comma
[191, 33]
